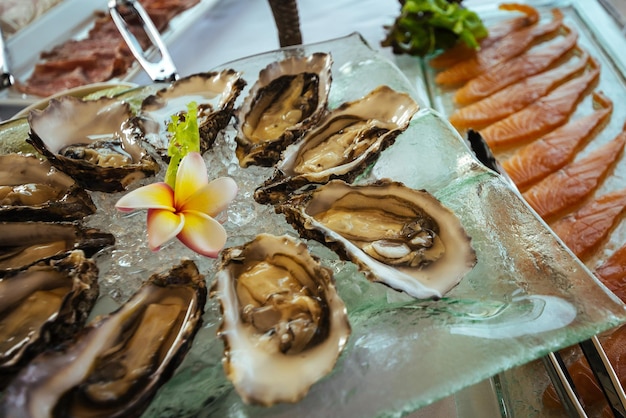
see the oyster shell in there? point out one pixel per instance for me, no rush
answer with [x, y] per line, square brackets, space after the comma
[289, 97]
[283, 323]
[214, 92]
[343, 143]
[24, 243]
[396, 235]
[43, 305]
[92, 141]
[31, 189]
[115, 365]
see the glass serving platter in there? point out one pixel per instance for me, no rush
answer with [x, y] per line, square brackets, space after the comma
[521, 388]
[527, 295]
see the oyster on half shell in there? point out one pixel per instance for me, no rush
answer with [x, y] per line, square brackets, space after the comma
[283, 323]
[402, 237]
[43, 305]
[215, 94]
[289, 97]
[342, 145]
[92, 141]
[31, 189]
[116, 364]
[24, 243]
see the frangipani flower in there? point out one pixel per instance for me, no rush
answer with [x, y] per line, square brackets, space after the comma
[187, 211]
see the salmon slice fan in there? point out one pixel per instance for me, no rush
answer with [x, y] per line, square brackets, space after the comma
[612, 273]
[498, 31]
[574, 182]
[584, 230]
[536, 160]
[515, 97]
[531, 62]
[506, 48]
[544, 115]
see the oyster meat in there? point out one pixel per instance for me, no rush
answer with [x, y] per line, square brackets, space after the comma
[93, 141]
[43, 305]
[115, 365]
[31, 189]
[283, 323]
[342, 145]
[289, 97]
[402, 237]
[24, 243]
[215, 94]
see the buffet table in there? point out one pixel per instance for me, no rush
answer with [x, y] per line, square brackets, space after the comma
[229, 30]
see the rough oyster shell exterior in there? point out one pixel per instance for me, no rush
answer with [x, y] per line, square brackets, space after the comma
[31, 189]
[92, 141]
[43, 305]
[402, 237]
[283, 323]
[289, 97]
[116, 364]
[342, 145]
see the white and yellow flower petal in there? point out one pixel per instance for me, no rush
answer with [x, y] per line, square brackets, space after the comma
[152, 196]
[191, 176]
[203, 234]
[163, 225]
[213, 198]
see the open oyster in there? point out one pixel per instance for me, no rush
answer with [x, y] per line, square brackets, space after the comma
[24, 243]
[115, 365]
[91, 141]
[283, 323]
[289, 97]
[396, 235]
[215, 94]
[342, 145]
[31, 189]
[43, 305]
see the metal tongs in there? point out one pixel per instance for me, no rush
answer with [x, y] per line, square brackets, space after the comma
[6, 78]
[121, 12]
[591, 348]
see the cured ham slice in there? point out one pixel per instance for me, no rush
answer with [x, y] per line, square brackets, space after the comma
[540, 158]
[515, 97]
[498, 31]
[544, 115]
[532, 62]
[584, 230]
[507, 48]
[100, 56]
[574, 182]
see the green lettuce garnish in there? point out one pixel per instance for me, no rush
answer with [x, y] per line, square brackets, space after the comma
[185, 139]
[427, 26]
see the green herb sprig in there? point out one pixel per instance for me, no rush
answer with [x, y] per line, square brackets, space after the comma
[185, 139]
[427, 26]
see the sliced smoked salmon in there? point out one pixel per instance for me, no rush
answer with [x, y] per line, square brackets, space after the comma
[544, 115]
[612, 272]
[506, 48]
[531, 62]
[498, 31]
[536, 160]
[570, 185]
[586, 385]
[515, 97]
[584, 230]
